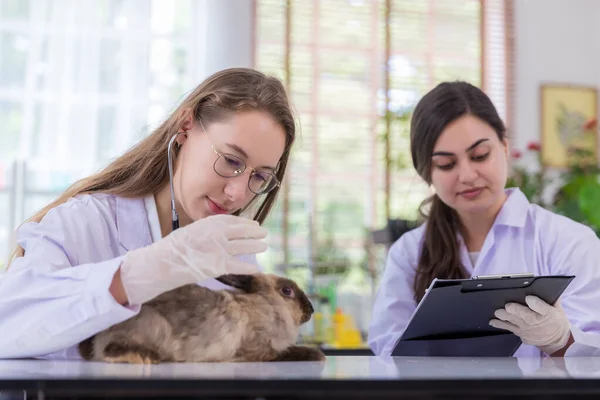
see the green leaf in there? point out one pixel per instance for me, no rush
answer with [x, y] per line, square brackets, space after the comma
[589, 200]
[572, 188]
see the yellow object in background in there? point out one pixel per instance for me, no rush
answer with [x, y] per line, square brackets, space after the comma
[318, 323]
[323, 332]
[345, 333]
[335, 331]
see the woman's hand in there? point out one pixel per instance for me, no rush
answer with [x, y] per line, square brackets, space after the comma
[203, 249]
[540, 324]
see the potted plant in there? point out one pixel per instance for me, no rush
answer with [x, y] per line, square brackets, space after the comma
[578, 195]
[532, 184]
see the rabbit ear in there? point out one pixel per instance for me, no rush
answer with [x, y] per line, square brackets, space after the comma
[242, 282]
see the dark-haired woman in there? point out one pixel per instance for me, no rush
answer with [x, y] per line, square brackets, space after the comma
[474, 226]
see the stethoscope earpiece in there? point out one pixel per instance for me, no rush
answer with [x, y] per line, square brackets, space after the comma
[174, 216]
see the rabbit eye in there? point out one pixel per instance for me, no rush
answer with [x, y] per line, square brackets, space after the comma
[287, 291]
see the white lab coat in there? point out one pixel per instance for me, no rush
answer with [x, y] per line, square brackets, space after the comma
[524, 238]
[57, 295]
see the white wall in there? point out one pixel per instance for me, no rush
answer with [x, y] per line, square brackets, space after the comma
[556, 41]
[226, 33]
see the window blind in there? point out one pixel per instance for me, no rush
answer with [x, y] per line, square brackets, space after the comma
[337, 58]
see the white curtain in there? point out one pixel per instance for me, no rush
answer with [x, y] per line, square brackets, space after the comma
[82, 80]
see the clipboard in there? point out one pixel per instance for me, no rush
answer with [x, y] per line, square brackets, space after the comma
[452, 319]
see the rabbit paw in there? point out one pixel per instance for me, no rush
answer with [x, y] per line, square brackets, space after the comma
[131, 354]
[301, 353]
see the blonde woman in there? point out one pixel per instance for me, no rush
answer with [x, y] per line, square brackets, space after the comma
[138, 228]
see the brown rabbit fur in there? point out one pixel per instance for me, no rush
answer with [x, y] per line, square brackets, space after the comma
[258, 322]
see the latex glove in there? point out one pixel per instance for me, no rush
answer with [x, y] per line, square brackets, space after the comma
[203, 249]
[540, 324]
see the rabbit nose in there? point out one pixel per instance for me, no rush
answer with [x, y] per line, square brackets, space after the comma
[307, 310]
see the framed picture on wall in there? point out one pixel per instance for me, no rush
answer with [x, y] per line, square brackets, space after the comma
[569, 124]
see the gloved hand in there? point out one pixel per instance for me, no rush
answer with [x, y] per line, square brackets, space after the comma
[540, 324]
[203, 249]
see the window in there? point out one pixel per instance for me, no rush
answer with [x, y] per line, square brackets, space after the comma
[80, 82]
[338, 57]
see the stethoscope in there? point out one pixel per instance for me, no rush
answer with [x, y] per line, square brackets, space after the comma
[174, 215]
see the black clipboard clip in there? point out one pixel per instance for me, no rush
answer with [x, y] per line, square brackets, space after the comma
[495, 282]
[504, 276]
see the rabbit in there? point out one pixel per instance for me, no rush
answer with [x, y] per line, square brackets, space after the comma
[259, 321]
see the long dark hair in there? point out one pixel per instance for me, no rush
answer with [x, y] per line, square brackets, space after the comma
[440, 255]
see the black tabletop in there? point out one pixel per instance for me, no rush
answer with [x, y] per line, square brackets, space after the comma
[338, 377]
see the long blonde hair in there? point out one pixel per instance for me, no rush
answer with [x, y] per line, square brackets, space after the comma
[143, 169]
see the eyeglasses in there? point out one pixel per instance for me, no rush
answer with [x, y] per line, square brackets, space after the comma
[230, 166]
